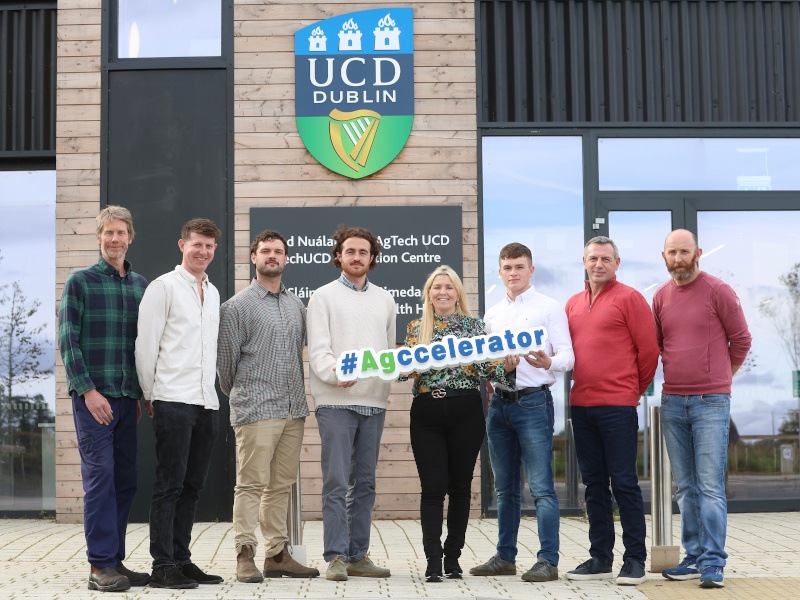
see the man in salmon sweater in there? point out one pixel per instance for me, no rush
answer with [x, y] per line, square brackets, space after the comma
[616, 353]
[704, 340]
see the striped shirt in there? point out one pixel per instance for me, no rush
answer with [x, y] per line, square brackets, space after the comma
[260, 355]
[97, 330]
[364, 411]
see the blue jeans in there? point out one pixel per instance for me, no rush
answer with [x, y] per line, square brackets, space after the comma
[108, 472]
[521, 435]
[606, 442]
[185, 435]
[350, 444]
[696, 431]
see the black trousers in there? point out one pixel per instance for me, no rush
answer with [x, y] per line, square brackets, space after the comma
[446, 437]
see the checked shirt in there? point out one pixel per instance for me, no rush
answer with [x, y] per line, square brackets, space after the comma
[97, 330]
[260, 355]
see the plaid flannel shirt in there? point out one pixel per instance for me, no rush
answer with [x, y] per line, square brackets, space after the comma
[97, 330]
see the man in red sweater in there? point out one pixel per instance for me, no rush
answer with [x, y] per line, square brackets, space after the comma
[616, 354]
[704, 340]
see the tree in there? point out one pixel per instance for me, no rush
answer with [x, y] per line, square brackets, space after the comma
[21, 349]
[789, 425]
[783, 313]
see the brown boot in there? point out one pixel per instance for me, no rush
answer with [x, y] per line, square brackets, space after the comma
[246, 570]
[284, 565]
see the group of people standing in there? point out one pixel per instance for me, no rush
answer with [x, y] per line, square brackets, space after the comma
[123, 340]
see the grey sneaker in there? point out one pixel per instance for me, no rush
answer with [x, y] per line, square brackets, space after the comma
[591, 569]
[541, 571]
[493, 567]
[337, 570]
[366, 568]
[632, 573]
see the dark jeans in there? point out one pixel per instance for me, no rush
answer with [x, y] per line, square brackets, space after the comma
[606, 440]
[108, 471]
[185, 435]
[446, 437]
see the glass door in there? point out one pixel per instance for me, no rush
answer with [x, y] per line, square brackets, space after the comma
[755, 252]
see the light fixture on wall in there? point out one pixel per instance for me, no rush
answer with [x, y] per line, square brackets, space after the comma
[133, 41]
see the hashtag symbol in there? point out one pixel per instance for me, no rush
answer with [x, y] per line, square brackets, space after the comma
[348, 364]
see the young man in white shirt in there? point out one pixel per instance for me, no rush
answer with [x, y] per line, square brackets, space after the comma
[176, 352]
[520, 422]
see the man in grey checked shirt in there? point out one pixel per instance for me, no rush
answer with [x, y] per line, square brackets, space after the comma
[260, 367]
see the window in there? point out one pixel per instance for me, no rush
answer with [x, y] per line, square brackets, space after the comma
[663, 164]
[27, 331]
[169, 28]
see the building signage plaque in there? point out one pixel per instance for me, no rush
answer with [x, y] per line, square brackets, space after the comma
[354, 89]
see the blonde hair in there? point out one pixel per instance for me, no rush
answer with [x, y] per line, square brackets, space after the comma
[112, 212]
[462, 306]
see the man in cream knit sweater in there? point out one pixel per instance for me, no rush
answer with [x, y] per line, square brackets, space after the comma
[349, 314]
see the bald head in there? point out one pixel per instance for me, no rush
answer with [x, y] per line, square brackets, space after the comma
[681, 255]
[681, 236]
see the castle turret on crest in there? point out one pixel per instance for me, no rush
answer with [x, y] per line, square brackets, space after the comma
[317, 42]
[387, 35]
[350, 36]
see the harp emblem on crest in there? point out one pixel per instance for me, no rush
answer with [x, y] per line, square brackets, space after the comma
[353, 134]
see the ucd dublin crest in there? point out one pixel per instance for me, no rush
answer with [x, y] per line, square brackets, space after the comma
[354, 89]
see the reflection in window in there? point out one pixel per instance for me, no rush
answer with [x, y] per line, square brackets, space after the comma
[756, 252]
[533, 194]
[27, 328]
[703, 164]
[166, 28]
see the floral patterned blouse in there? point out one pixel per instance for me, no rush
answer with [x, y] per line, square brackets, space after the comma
[463, 377]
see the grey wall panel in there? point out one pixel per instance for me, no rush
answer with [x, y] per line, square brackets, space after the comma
[619, 61]
[27, 78]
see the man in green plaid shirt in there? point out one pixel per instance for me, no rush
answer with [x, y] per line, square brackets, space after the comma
[96, 336]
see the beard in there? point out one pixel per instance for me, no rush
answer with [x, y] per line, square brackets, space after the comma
[355, 270]
[269, 269]
[684, 271]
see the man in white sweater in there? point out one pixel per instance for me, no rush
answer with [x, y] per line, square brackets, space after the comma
[349, 314]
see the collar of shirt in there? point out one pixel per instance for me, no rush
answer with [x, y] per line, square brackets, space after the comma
[264, 292]
[110, 270]
[524, 297]
[343, 279]
[189, 277]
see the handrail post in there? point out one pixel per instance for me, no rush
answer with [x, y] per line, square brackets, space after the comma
[295, 525]
[662, 553]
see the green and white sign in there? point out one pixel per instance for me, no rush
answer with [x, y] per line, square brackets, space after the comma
[354, 89]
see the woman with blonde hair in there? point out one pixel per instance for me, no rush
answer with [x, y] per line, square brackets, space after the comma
[447, 420]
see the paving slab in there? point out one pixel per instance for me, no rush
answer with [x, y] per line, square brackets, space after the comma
[47, 560]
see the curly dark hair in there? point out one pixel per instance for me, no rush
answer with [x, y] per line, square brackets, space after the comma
[345, 232]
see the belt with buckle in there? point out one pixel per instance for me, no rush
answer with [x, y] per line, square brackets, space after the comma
[514, 395]
[439, 393]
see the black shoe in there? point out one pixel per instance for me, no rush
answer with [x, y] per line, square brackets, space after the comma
[170, 577]
[433, 574]
[107, 579]
[452, 569]
[136, 579]
[192, 571]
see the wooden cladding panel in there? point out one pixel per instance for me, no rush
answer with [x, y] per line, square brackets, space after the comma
[437, 166]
